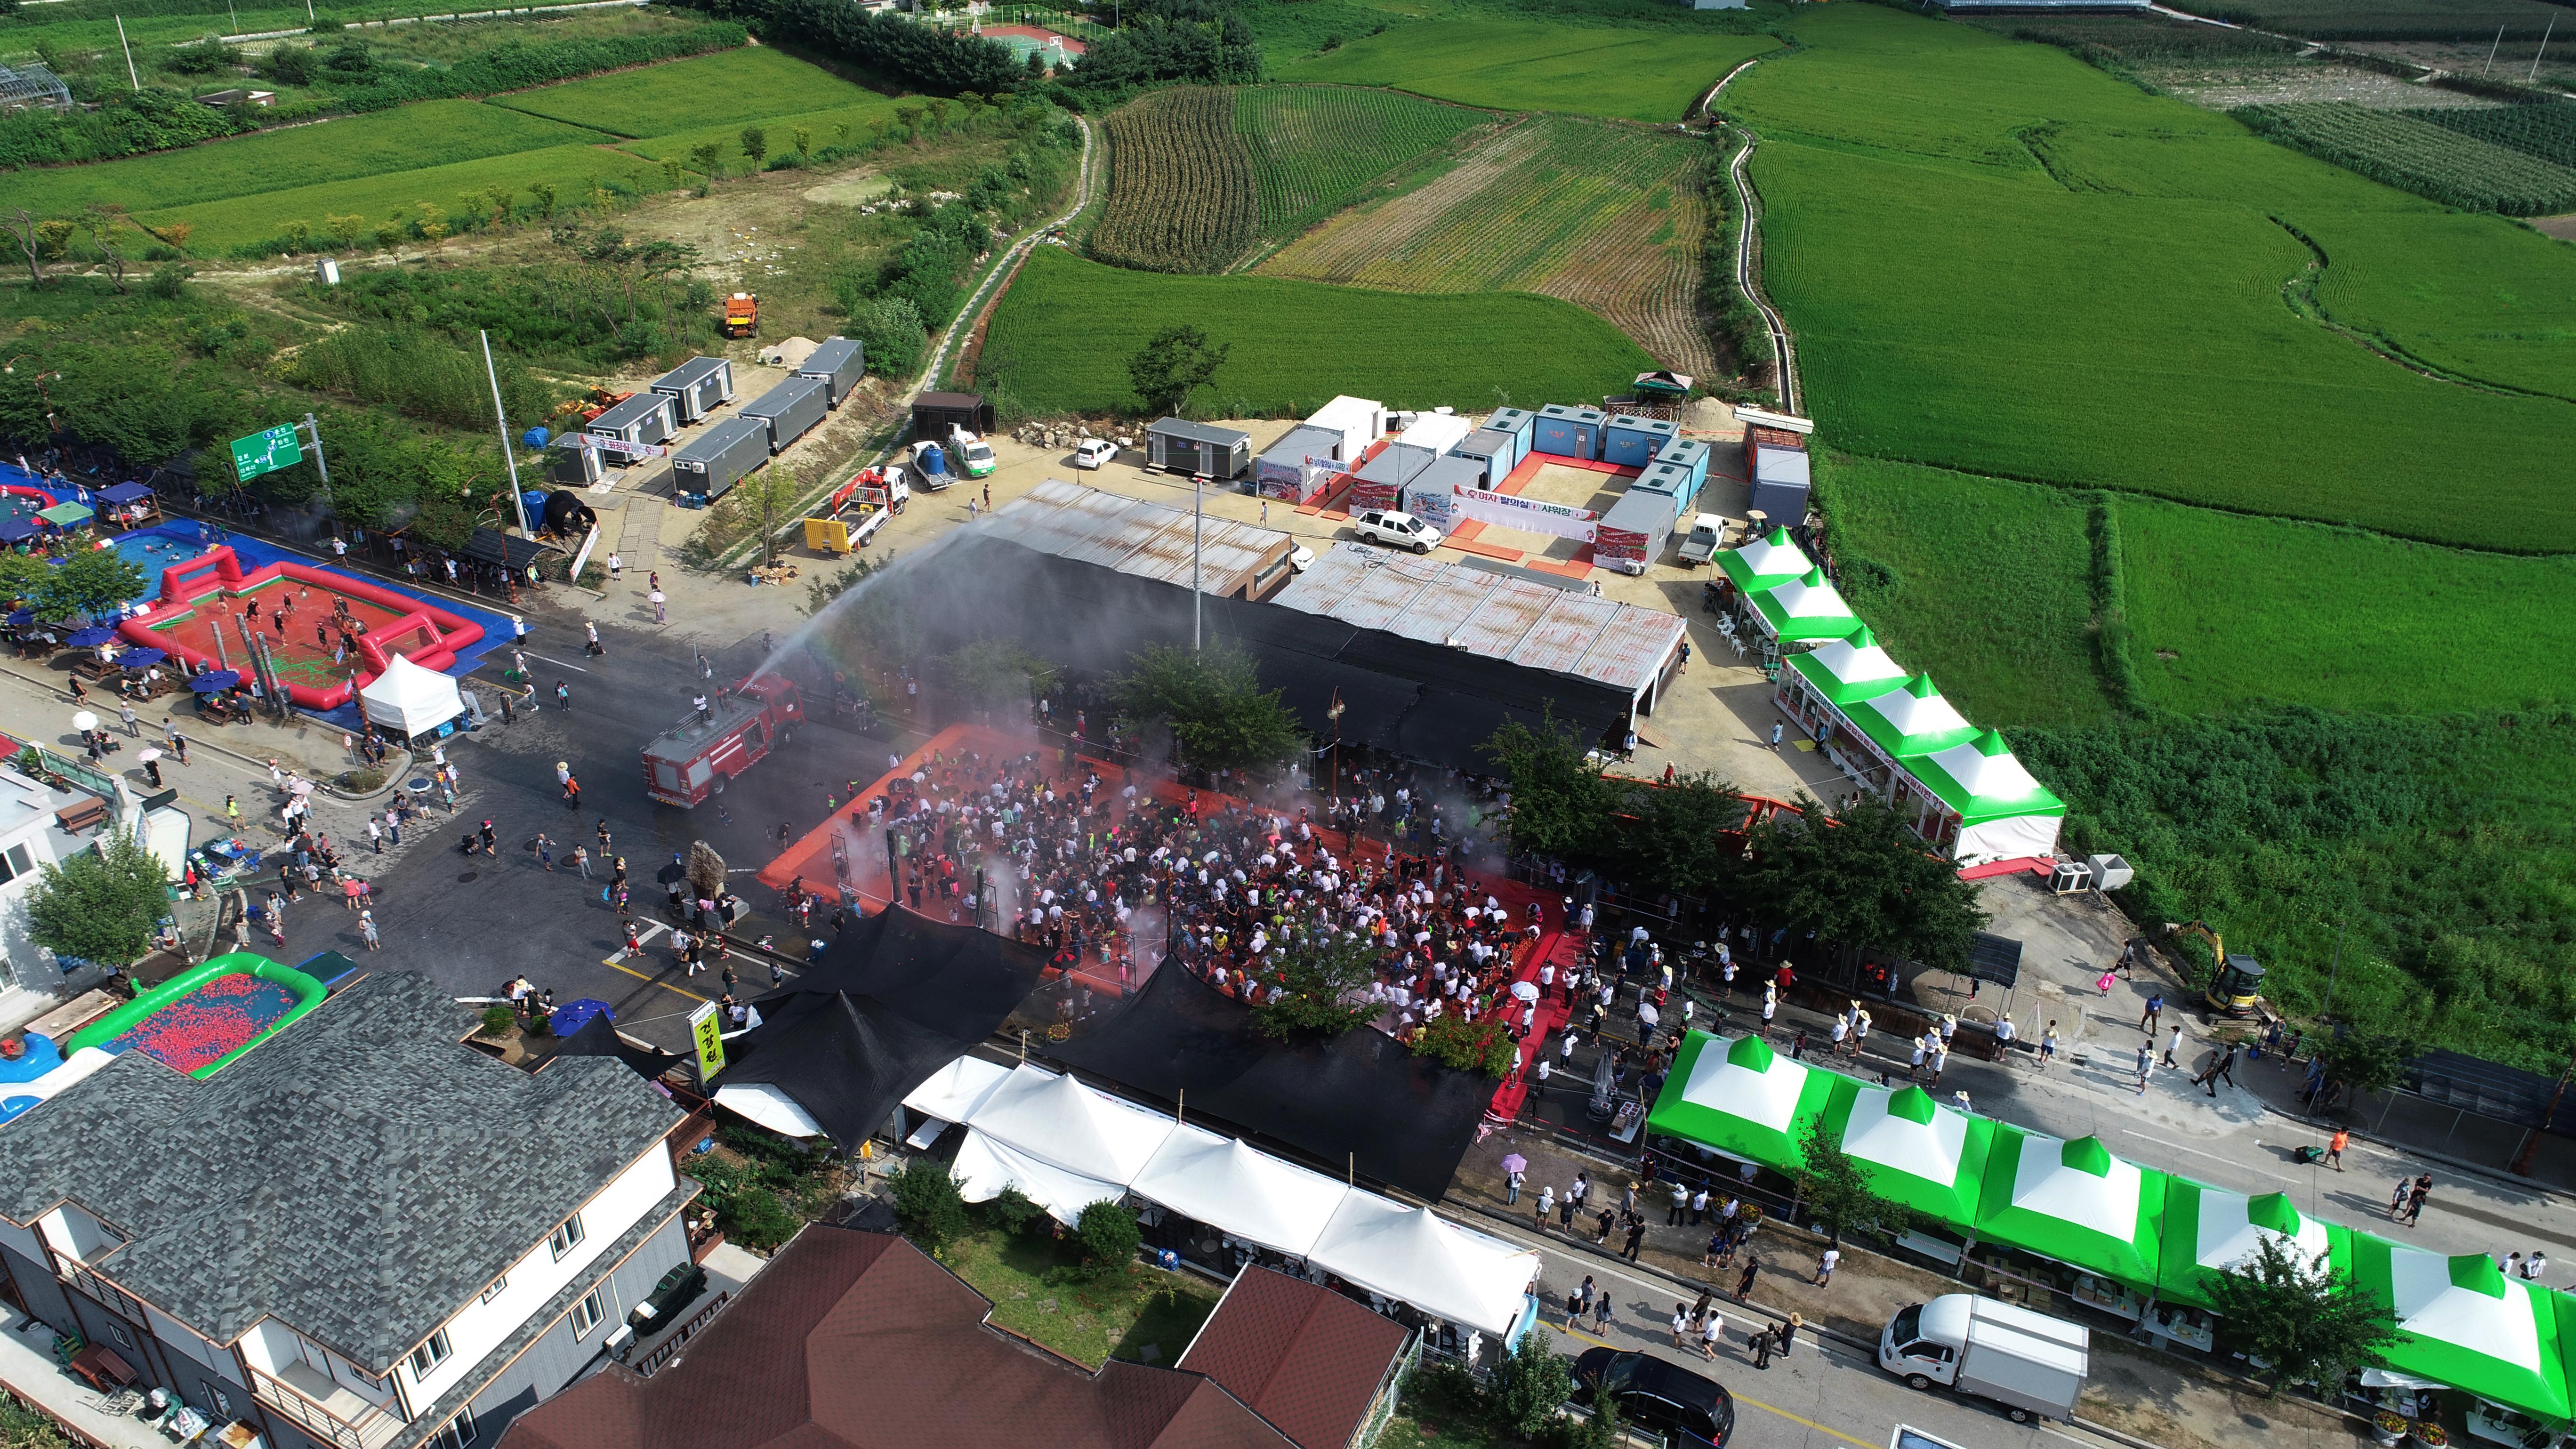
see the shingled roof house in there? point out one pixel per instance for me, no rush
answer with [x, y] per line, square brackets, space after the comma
[361, 1235]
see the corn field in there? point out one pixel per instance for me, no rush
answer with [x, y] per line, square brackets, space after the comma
[1181, 188]
[2547, 130]
[2397, 149]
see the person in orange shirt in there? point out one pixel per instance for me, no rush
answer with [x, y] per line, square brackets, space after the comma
[2334, 1148]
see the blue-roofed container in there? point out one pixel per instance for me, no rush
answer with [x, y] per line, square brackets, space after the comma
[1633, 442]
[1565, 432]
[1689, 453]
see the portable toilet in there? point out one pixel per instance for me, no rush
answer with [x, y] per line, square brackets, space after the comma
[573, 465]
[1688, 453]
[1565, 432]
[1491, 449]
[1632, 442]
[1780, 486]
[1516, 421]
[1672, 480]
[697, 387]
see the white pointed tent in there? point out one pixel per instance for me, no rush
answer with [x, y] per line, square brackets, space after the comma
[985, 1166]
[1848, 670]
[1913, 720]
[2074, 1202]
[2003, 811]
[768, 1106]
[1741, 1097]
[954, 1091]
[1768, 560]
[1914, 1150]
[1415, 1256]
[1058, 1120]
[1803, 608]
[1249, 1194]
[410, 699]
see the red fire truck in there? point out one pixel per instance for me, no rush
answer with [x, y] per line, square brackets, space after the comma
[693, 759]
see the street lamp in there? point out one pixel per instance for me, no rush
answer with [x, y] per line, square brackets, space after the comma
[1334, 713]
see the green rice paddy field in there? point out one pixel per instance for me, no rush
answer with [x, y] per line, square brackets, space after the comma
[2472, 295]
[734, 87]
[822, 125]
[242, 219]
[1641, 75]
[1061, 340]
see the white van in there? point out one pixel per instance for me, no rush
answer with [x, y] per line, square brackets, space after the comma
[2024, 1360]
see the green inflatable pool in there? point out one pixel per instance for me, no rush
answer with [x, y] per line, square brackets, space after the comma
[200, 1020]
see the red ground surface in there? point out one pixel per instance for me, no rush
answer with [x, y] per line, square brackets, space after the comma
[300, 659]
[1032, 32]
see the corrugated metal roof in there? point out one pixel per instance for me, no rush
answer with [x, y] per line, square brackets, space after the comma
[1509, 612]
[1328, 580]
[1301, 442]
[1230, 553]
[1436, 613]
[1116, 528]
[1132, 536]
[1564, 633]
[1632, 646]
[1383, 595]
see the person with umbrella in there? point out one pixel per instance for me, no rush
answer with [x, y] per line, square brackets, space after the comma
[1515, 1172]
[151, 761]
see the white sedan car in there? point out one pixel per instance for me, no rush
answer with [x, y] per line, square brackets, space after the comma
[1095, 453]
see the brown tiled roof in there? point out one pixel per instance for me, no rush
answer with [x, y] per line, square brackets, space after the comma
[853, 1340]
[1306, 1358]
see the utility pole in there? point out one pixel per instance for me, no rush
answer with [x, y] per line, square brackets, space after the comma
[509, 455]
[137, 81]
[2491, 51]
[2535, 55]
[1198, 521]
[320, 464]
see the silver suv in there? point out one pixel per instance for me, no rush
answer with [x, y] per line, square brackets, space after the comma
[1396, 530]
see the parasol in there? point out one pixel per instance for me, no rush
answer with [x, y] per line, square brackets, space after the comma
[214, 681]
[1646, 1013]
[91, 637]
[1514, 1162]
[21, 618]
[572, 1016]
[84, 721]
[147, 756]
[141, 658]
[672, 872]
[300, 787]
[1525, 990]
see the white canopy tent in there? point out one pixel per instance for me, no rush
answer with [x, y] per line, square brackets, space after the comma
[1415, 1256]
[1058, 1120]
[954, 1091]
[985, 1167]
[767, 1106]
[1248, 1194]
[410, 699]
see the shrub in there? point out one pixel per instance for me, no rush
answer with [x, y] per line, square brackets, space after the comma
[498, 1019]
[1109, 1236]
[927, 1204]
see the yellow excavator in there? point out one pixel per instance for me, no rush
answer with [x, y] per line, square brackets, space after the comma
[2236, 989]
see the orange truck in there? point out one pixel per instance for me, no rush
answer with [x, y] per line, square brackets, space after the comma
[742, 315]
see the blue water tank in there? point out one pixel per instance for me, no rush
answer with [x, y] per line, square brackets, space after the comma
[535, 437]
[930, 460]
[535, 499]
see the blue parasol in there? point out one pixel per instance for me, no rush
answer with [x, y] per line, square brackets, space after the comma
[572, 1016]
[91, 637]
[214, 681]
[14, 529]
[22, 618]
[141, 658]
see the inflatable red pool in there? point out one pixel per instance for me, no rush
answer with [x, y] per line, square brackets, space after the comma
[208, 602]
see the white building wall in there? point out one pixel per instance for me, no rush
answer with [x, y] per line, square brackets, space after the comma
[480, 1327]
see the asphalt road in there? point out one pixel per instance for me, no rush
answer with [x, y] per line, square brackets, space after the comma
[1823, 1395]
[471, 923]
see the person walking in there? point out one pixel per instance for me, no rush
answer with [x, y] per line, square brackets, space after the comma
[2155, 1008]
[1826, 1262]
[2335, 1146]
[1601, 1315]
[1776, 732]
[488, 838]
[2219, 1066]
[2415, 1196]
[1680, 1207]
[133, 721]
[2173, 1044]
[2146, 1064]
[1789, 1333]
[545, 853]
[1512, 1188]
[367, 928]
[375, 835]
[581, 861]
[1546, 1204]
[1764, 1341]
[2397, 1200]
[1744, 1281]
[2048, 1046]
[1636, 1239]
[1681, 1322]
[1565, 1207]
[593, 631]
[563, 695]
[1712, 1327]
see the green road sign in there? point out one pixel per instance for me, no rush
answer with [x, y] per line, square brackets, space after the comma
[267, 452]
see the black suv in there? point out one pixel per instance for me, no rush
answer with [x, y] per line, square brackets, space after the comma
[1686, 1408]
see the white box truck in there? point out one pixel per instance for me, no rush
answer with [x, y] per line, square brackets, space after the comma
[2026, 1361]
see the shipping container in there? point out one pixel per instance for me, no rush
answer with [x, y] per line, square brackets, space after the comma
[1298, 466]
[1689, 453]
[1633, 533]
[719, 457]
[1492, 451]
[1436, 433]
[934, 413]
[647, 417]
[1780, 485]
[575, 467]
[1565, 432]
[1429, 495]
[1357, 422]
[697, 387]
[790, 409]
[1632, 441]
[1198, 449]
[1673, 480]
[1758, 436]
[1519, 422]
[840, 362]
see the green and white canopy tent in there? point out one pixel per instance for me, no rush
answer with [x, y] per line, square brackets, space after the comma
[1845, 671]
[2208, 1230]
[2002, 811]
[1912, 720]
[1742, 1098]
[1803, 609]
[2074, 1202]
[1768, 560]
[1915, 1151]
[2462, 1322]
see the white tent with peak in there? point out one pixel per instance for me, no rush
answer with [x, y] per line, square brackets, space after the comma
[2004, 813]
[1415, 1255]
[1058, 1120]
[410, 699]
[984, 1167]
[1250, 1194]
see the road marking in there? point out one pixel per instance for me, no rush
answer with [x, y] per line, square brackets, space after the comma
[1741, 1399]
[642, 938]
[2178, 1147]
[559, 664]
[649, 981]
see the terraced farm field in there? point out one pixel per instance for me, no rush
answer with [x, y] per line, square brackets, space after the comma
[1181, 186]
[822, 125]
[1315, 147]
[431, 133]
[735, 87]
[1609, 217]
[1644, 74]
[1062, 336]
[2136, 342]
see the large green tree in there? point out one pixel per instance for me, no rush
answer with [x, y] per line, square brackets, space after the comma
[1861, 879]
[2302, 1317]
[89, 585]
[1834, 1190]
[1174, 363]
[1562, 804]
[101, 904]
[1318, 985]
[1213, 701]
[1672, 837]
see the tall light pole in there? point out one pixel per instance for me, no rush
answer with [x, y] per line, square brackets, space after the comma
[508, 454]
[1198, 523]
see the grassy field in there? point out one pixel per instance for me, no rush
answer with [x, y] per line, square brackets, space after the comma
[2478, 297]
[2387, 19]
[432, 133]
[1181, 191]
[824, 126]
[2546, 131]
[1041, 1290]
[1922, 550]
[221, 225]
[1315, 147]
[2129, 329]
[2225, 609]
[1064, 332]
[1608, 216]
[2415, 155]
[735, 88]
[1640, 75]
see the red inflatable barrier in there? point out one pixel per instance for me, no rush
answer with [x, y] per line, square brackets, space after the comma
[209, 597]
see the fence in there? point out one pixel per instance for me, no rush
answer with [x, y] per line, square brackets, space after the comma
[669, 1348]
